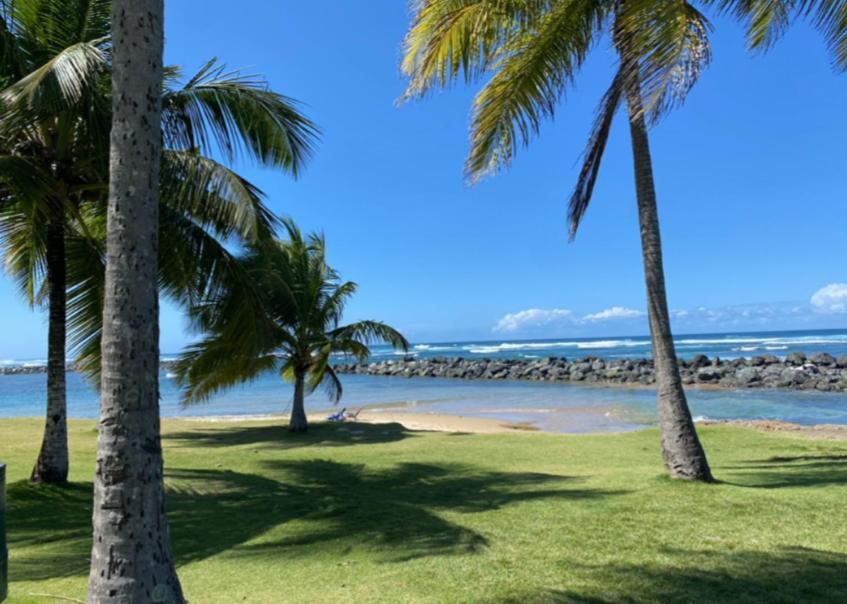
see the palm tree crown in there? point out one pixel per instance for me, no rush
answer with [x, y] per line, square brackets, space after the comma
[284, 316]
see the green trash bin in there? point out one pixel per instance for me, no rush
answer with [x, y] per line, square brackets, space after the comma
[4, 554]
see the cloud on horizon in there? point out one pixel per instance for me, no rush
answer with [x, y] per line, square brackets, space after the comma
[536, 318]
[824, 304]
[831, 299]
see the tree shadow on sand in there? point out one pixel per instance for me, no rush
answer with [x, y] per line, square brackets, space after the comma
[345, 506]
[791, 471]
[793, 574]
[278, 437]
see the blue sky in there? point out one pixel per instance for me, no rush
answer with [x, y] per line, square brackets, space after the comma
[750, 176]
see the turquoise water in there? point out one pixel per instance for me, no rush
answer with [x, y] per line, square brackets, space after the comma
[557, 407]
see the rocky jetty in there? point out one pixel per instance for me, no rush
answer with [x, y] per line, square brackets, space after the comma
[796, 371]
[41, 368]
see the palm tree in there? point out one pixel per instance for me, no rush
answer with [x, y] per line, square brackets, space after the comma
[285, 316]
[532, 51]
[131, 558]
[55, 114]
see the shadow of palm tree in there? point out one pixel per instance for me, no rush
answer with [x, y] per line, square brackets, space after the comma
[396, 510]
[793, 574]
[346, 505]
[322, 433]
[791, 471]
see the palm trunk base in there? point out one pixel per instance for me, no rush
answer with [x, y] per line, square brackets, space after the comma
[684, 457]
[47, 473]
[298, 422]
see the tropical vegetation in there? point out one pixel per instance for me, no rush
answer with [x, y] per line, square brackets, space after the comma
[55, 117]
[285, 316]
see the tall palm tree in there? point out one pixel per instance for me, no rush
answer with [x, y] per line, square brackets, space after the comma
[131, 558]
[284, 316]
[55, 114]
[532, 50]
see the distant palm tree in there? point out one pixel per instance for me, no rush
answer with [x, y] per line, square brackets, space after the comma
[286, 317]
[131, 559]
[531, 51]
[55, 116]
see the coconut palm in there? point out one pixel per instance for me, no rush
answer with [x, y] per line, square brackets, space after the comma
[130, 527]
[531, 51]
[285, 316]
[55, 116]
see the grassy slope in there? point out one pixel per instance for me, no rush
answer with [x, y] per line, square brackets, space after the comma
[377, 513]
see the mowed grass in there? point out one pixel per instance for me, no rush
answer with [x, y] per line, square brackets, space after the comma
[362, 513]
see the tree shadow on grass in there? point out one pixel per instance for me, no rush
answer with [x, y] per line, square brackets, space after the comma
[345, 506]
[792, 574]
[395, 511]
[791, 471]
[278, 437]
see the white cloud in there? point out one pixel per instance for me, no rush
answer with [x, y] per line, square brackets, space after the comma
[532, 318]
[616, 312]
[831, 299]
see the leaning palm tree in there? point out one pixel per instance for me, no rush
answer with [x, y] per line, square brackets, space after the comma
[55, 116]
[531, 51]
[285, 316]
[131, 559]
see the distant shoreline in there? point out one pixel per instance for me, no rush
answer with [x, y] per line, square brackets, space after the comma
[821, 371]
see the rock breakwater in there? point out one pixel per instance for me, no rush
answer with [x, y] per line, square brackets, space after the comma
[796, 371]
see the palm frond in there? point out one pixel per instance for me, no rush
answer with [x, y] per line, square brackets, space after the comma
[60, 82]
[764, 20]
[232, 114]
[369, 332]
[85, 260]
[449, 38]
[668, 42]
[210, 367]
[215, 197]
[531, 72]
[594, 150]
[23, 229]
[830, 17]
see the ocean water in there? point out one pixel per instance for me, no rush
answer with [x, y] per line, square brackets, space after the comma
[555, 407]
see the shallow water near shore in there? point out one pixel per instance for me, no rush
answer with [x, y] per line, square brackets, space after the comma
[546, 406]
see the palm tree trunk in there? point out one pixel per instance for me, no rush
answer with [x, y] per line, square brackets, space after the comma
[131, 558]
[681, 449]
[52, 464]
[298, 421]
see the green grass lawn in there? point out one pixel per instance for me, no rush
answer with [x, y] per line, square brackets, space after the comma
[381, 514]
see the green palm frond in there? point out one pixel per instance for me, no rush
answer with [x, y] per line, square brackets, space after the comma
[23, 236]
[370, 332]
[85, 261]
[594, 150]
[531, 73]
[61, 81]
[830, 17]
[209, 367]
[764, 20]
[215, 196]
[449, 38]
[667, 41]
[46, 27]
[219, 111]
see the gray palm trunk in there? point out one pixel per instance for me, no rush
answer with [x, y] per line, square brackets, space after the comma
[131, 559]
[298, 421]
[682, 452]
[52, 464]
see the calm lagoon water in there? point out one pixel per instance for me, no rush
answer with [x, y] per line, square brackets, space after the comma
[556, 407]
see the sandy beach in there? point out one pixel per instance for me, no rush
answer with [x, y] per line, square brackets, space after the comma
[444, 422]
